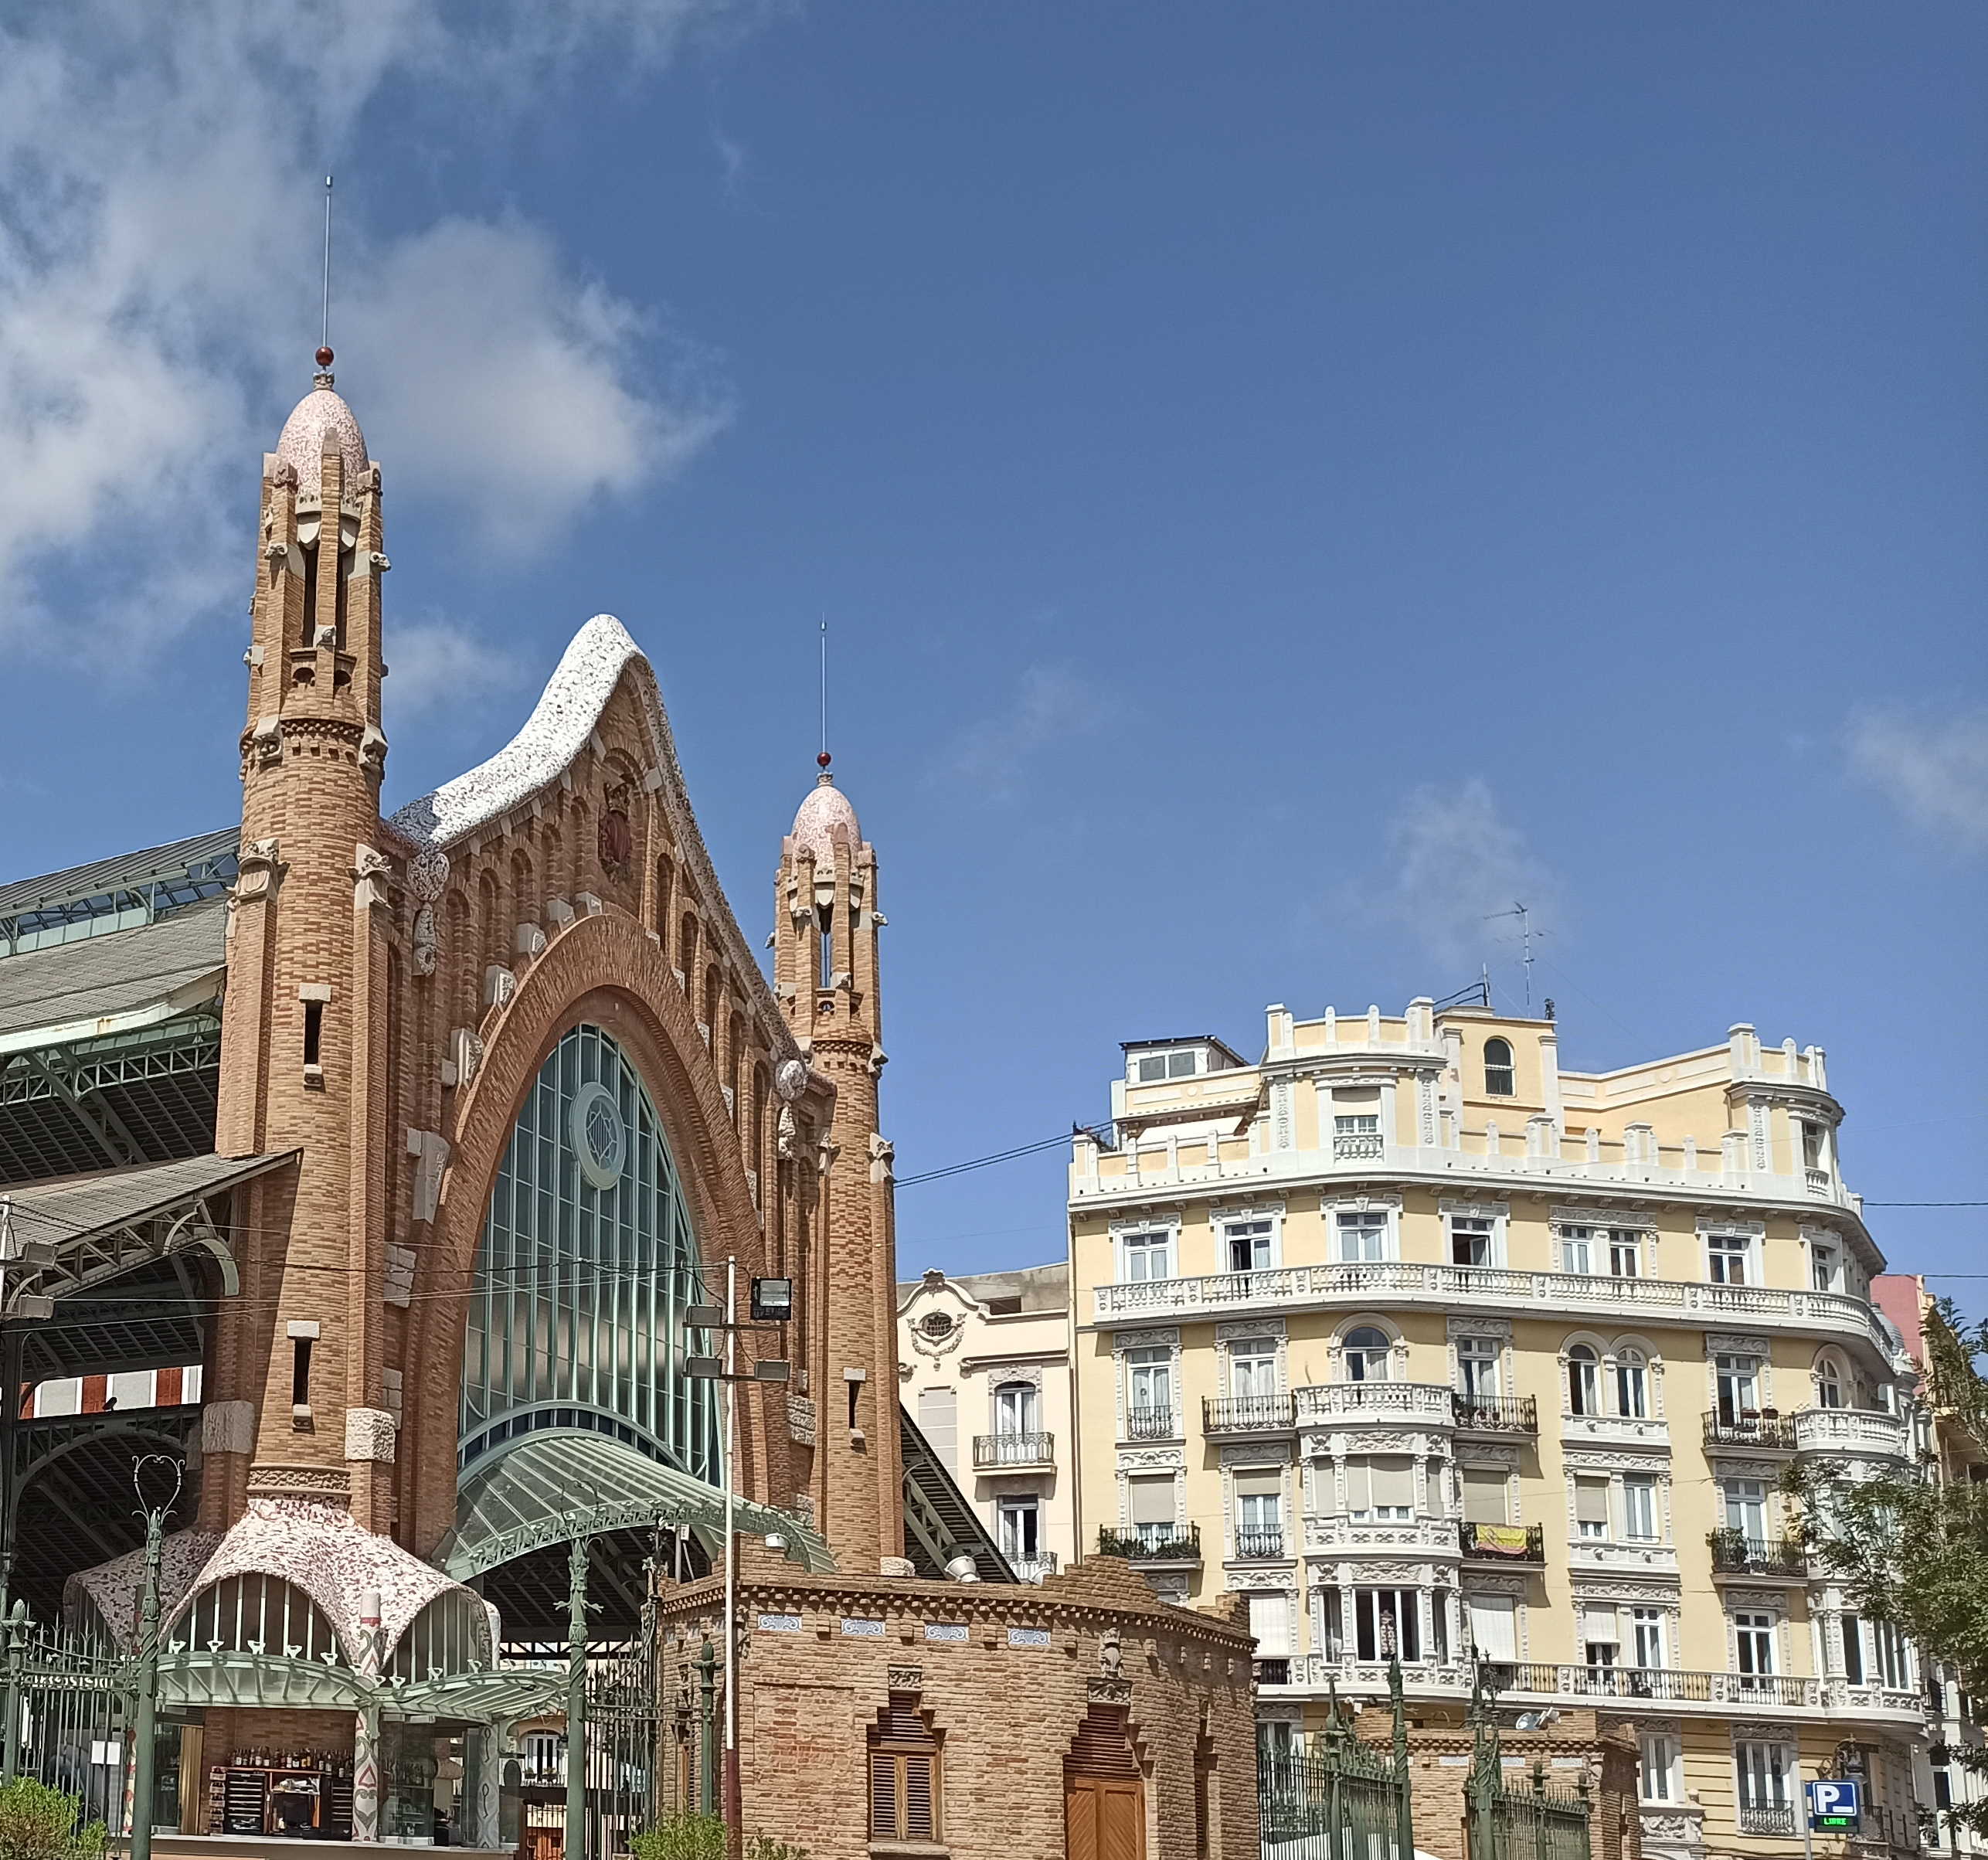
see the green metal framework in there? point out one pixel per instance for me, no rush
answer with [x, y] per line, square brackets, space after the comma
[576, 1317]
[1534, 1823]
[1342, 1800]
[115, 894]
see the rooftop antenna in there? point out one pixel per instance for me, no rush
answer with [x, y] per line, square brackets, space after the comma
[1525, 940]
[325, 357]
[824, 758]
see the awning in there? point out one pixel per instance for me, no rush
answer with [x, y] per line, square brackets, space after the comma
[563, 1485]
[103, 1225]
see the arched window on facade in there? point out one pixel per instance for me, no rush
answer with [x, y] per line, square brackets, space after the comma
[1366, 1348]
[905, 1804]
[1829, 1382]
[451, 1634]
[1632, 1383]
[241, 1613]
[1584, 1380]
[1500, 1078]
[1017, 1408]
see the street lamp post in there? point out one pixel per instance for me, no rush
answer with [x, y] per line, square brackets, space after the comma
[145, 1719]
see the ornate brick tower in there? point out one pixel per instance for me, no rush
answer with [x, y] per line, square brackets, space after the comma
[300, 1407]
[826, 973]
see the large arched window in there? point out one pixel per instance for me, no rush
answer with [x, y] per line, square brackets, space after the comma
[1500, 1080]
[1584, 1380]
[1366, 1348]
[243, 1614]
[587, 1262]
[1632, 1383]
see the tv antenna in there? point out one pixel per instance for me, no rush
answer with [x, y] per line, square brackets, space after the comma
[1525, 943]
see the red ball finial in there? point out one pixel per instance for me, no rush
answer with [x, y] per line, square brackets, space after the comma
[324, 358]
[824, 759]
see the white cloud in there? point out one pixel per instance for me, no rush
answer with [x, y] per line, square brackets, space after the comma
[1933, 768]
[1454, 863]
[434, 661]
[160, 171]
[1052, 706]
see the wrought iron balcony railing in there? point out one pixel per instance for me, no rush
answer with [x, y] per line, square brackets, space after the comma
[1505, 1542]
[1766, 1818]
[1150, 1424]
[1496, 1413]
[1155, 1543]
[1254, 1545]
[998, 1449]
[1275, 1671]
[1734, 1553]
[1248, 1413]
[1774, 1431]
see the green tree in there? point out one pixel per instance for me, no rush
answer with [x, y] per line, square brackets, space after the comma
[1911, 1548]
[699, 1836]
[39, 1823]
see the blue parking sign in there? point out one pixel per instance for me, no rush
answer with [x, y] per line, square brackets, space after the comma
[1836, 1808]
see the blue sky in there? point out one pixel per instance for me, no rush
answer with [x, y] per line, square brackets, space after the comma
[1283, 480]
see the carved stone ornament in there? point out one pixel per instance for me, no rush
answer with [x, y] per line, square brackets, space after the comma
[1474, 1325]
[1622, 1590]
[617, 841]
[296, 1481]
[428, 874]
[790, 1079]
[1270, 1452]
[1476, 1582]
[1653, 1459]
[370, 874]
[370, 1434]
[1111, 1654]
[1249, 1328]
[1167, 1339]
[1152, 1459]
[907, 1678]
[787, 1142]
[1103, 1691]
[426, 941]
[1732, 1343]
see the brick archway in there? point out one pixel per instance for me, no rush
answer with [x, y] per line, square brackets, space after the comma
[605, 970]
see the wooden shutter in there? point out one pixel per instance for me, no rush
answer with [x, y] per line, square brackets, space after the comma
[921, 1807]
[904, 1773]
[1591, 1500]
[1394, 1480]
[883, 1796]
[1150, 1500]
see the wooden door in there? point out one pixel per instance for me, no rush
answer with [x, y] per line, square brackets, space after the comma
[1104, 1818]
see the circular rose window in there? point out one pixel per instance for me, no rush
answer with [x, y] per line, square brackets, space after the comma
[598, 1135]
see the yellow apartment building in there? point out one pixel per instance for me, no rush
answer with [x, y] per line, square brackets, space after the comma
[1430, 1345]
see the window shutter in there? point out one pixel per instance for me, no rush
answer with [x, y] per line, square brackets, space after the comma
[1270, 1622]
[1359, 1485]
[1598, 1624]
[1151, 1500]
[883, 1795]
[1483, 1495]
[1259, 1481]
[921, 1819]
[1493, 1626]
[1591, 1500]
[1394, 1480]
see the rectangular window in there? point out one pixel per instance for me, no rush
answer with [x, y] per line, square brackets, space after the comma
[1598, 1643]
[1590, 1508]
[1248, 1245]
[1260, 1504]
[1825, 1266]
[1745, 1501]
[1738, 1388]
[1149, 1387]
[1657, 1772]
[904, 1778]
[1888, 1662]
[1726, 1256]
[1646, 1636]
[1753, 1644]
[1147, 1256]
[1019, 1523]
[1484, 1494]
[1494, 1626]
[1360, 1124]
[1016, 1409]
[1363, 1234]
[1853, 1649]
[1385, 1621]
[1381, 1490]
[1470, 1241]
[1477, 1367]
[1812, 1146]
[1577, 1250]
[1154, 1068]
[1252, 1368]
[1763, 1775]
[1638, 1507]
[1149, 1501]
[1625, 1253]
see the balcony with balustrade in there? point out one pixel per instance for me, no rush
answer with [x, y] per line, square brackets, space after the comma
[1736, 1555]
[1015, 1452]
[1248, 1414]
[1766, 1818]
[1499, 1416]
[1154, 1545]
[1151, 1424]
[1853, 1432]
[1263, 1546]
[1033, 1568]
[1744, 1430]
[1425, 1404]
[1351, 1284]
[1522, 1545]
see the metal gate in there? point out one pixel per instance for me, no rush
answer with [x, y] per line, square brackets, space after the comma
[623, 1745]
[66, 1714]
[1526, 1822]
[1342, 1800]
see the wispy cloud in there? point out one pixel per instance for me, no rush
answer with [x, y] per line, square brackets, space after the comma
[160, 170]
[1455, 862]
[435, 662]
[1932, 765]
[1052, 705]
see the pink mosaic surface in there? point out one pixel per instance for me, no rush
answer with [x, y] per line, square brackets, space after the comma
[825, 814]
[302, 443]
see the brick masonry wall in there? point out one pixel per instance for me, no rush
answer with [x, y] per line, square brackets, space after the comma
[1006, 1701]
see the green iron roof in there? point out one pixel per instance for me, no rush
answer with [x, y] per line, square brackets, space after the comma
[558, 1485]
